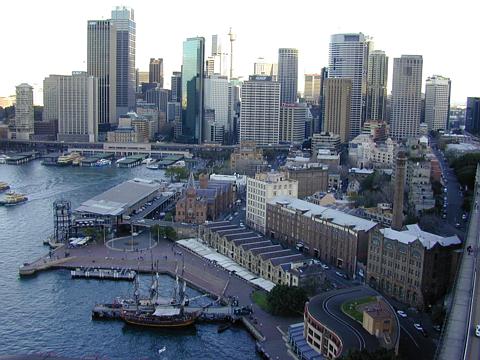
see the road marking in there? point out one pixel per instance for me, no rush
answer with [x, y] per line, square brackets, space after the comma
[409, 335]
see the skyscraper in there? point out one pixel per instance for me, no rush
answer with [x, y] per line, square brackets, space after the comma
[337, 96]
[155, 73]
[216, 98]
[376, 108]
[437, 102]
[210, 66]
[76, 106]
[288, 75]
[313, 84]
[292, 122]
[192, 90]
[124, 21]
[101, 63]
[176, 86]
[472, 115]
[260, 110]
[260, 67]
[23, 127]
[406, 96]
[348, 58]
[50, 98]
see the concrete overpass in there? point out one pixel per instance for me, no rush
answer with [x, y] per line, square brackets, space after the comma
[458, 339]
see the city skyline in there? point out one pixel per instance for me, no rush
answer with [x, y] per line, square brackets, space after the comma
[311, 40]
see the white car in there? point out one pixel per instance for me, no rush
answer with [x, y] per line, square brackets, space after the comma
[135, 234]
[418, 327]
[477, 330]
[338, 273]
[325, 266]
[402, 313]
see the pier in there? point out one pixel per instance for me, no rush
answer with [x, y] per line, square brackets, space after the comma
[165, 258]
[103, 274]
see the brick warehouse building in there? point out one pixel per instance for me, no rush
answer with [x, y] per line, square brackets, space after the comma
[330, 235]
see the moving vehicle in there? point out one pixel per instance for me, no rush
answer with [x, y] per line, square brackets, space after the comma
[418, 327]
[338, 273]
[13, 198]
[477, 330]
[402, 313]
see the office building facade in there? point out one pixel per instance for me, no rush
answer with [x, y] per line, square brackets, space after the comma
[192, 90]
[155, 72]
[406, 96]
[260, 110]
[348, 58]
[23, 127]
[337, 98]
[472, 115]
[102, 63]
[313, 84]
[376, 107]
[288, 75]
[437, 102]
[216, 98]
[124, 20]
[292, 123]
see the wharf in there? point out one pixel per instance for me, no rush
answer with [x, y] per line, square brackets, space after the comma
[106, 274]
[130, 161]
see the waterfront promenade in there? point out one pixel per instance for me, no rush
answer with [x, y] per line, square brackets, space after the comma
[169, 258]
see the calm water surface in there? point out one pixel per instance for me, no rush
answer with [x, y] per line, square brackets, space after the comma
[51, 313]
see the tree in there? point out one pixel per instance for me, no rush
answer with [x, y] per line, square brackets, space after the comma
[286, 300]
[170, 233]
[157, 232]
[179, 173]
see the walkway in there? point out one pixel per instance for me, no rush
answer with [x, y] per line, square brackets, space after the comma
[454, 341]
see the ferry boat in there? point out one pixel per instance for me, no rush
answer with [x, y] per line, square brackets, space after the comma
[13, 198]
[3, 159]
[4, 186]
[153, 165]
[103, 162]
[67, 159]
[147, 161]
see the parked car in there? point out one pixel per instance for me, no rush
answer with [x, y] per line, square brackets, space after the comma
[338, 273]
[437, 328]
[325, 266]
[402, 313]
[477, 330]
[418, 327]
[457, 225]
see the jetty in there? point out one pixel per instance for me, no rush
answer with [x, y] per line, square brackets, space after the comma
[103, 274]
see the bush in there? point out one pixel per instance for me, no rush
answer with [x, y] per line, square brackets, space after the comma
[286, 300]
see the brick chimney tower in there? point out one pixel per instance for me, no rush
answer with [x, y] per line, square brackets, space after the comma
[203, 180]
[399, 189]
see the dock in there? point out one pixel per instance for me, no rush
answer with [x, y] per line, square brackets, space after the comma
[130, 161]
[103, 274]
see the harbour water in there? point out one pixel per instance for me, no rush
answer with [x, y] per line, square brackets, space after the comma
[51, 313]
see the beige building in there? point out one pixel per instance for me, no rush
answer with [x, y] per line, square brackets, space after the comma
[338, 93]
[378, 319]
[311, 91]
[311, 178]
[247, 159]
[412, 266]
[262, 188]
[326, 141]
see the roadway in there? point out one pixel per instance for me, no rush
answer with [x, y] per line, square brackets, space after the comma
[459, 341]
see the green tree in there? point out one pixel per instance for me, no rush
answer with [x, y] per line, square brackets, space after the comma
[170, 233]
[177, 173]
[286, 300]
[157, 232]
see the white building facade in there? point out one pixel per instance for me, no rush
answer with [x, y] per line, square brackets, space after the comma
[437, 102]
[23, 127]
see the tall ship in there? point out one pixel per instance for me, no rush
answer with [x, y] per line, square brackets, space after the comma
[12, 198]
[4, 186]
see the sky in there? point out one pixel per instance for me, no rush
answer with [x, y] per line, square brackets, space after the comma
[45, 37]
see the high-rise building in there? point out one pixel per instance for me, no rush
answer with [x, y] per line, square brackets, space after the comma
[348, 58]
[192, 90]
[23, 126]
[155, 73]
[176, 86]
[292, 122]
[233, 127]
[406, 96]
[76, 106]
[50, 98]
[261, 67]
[102, 64]
[160, 97]
[376, 108]
[337, 97]
[141, 78]
[216, 99]
[472, 115]
[313, 84]
[124, 21]
[216, 47]
[437, 102]
[210, 66]
[288, 75]
[260, 110]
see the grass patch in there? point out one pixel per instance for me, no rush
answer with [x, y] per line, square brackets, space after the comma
[260, 298]
[350, 307]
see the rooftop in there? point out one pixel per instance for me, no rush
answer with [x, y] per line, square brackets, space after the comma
[117, 200]
[414, 232]
[321, 212]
